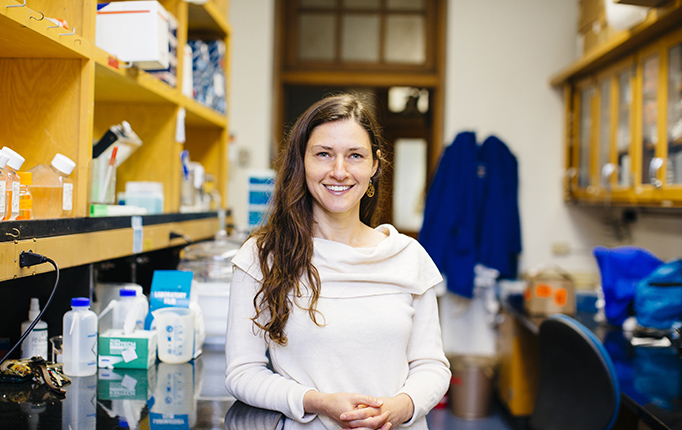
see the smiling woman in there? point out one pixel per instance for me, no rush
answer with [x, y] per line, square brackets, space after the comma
[346, 313]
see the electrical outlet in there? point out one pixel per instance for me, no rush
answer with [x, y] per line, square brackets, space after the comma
[561, 248]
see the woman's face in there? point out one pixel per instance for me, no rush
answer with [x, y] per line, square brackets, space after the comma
[338, 167]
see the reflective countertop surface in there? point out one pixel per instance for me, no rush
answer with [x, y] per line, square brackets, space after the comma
[165, 396]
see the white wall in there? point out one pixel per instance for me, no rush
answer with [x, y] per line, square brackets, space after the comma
[250, 114]
[501, 56]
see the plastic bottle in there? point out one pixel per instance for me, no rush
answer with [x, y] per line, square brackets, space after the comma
[124, 305]
[80, 339]
[53, 188]
[13, 165]
[5, 187]
[25, 196]
[36, 342]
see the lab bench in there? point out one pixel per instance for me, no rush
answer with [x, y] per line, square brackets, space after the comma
[650, 378]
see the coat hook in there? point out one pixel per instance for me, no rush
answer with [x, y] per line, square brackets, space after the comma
[69, 34]
[17, 234]
[42, 16]
[17, 5]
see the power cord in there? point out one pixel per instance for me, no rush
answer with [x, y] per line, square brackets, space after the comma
[28, 259]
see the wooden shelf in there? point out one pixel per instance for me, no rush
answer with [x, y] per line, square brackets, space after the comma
[23, 35]
[622, 43]
[77, 241]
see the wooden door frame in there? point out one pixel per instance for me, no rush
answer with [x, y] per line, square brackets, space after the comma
[434, 80]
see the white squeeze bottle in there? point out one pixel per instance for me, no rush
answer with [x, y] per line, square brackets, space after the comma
[52, 188]
[124, 305]
[36, 342]
[13, 165]
[80, 339]
[5, 187]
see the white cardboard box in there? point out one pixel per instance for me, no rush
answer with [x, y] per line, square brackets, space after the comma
[134, 31]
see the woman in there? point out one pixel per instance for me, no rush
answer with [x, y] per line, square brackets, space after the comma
[347, 312]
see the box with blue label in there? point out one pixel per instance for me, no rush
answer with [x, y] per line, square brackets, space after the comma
[134, 351]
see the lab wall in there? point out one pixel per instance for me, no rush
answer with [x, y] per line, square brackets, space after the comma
[250, 112]
[501, 56]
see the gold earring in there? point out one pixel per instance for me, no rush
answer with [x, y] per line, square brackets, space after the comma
[370, 189]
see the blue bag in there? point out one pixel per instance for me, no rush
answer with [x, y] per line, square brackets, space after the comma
[658, 299]
[621, 268]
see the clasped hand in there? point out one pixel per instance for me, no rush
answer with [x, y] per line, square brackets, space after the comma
[361, 412]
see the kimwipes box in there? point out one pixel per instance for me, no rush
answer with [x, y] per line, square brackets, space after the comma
[548, 292]
[134, 351]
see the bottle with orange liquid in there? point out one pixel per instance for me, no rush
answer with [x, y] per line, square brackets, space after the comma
[52, 188]
[25, 197]
[12, 167]
[5, 189]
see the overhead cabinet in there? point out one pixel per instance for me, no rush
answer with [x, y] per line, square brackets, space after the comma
[624, 117]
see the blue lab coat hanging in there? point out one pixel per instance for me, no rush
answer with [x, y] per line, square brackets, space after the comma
[471, 212]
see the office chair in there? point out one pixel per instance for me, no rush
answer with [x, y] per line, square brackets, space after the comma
[577, 387]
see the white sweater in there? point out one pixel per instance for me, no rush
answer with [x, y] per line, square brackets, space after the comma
[380, 334]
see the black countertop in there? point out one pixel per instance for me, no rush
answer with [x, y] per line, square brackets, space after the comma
[164, 397]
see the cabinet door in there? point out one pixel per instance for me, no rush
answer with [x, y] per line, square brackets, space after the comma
[584, 136]
[674, 114]
[624, 122]
[650, 160]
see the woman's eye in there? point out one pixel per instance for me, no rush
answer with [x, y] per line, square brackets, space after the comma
[322, 154]
[356, 155]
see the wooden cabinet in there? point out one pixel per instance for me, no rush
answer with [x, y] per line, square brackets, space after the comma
[624, 117]
[59, 92]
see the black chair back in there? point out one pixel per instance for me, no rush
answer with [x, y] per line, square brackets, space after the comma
[578, 387]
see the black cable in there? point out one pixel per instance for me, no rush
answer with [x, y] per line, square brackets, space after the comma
[27, 259]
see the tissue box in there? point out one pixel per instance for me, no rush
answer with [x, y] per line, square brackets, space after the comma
[135, 351]
[134, 31]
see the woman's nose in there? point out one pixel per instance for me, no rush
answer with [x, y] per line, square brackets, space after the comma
[339, 169]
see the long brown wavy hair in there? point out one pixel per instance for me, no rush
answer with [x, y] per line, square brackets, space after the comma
[285, 241]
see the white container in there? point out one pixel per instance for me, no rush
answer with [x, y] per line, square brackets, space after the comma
[12, 167]
[134, 31]
[130, 310]
[175, 332]
[148, 195]
[80, 339]
[35, 343]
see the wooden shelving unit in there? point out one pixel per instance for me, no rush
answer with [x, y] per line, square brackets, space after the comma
[59, 92]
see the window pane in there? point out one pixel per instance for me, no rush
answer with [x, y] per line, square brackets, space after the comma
[604, 131]
[409, 184]
[316, 37]
[360, 38]
[649, 118]
[405, 4]
[675, 115]
[585, 132]
[624, 133]
[405, 41]
[320, 4]
[361, 4]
